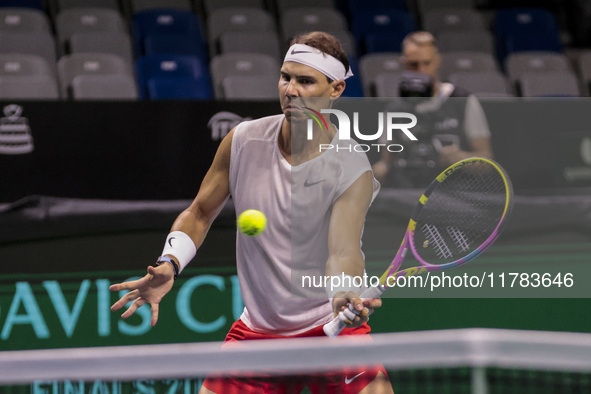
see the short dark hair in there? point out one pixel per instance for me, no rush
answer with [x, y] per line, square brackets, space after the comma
[326, 43]
[420, 38]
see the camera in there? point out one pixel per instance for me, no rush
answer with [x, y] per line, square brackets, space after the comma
[414, 84]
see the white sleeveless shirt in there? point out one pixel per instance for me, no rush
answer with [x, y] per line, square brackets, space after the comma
[297, 202]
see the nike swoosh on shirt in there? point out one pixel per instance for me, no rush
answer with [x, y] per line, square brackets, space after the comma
[347, 380]
[307, 184]
[170, 241]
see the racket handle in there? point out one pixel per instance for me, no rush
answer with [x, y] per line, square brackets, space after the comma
[373, 292]
[334, 328]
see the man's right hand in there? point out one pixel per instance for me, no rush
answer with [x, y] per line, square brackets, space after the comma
[150, 289]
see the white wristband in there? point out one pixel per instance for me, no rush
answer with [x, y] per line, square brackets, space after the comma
[345, 283]
[181, 246]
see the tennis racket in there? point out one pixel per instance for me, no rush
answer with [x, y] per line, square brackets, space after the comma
[460, 215]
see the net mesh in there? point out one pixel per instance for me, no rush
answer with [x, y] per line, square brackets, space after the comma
[416, 381]
[474, 361]
[461, 213]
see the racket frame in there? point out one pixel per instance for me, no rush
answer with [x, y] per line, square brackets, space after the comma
[333, 328]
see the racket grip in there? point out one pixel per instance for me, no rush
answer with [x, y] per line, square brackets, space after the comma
[334, 328]
[373, 292]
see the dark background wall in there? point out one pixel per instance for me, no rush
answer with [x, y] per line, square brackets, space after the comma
[161, 150]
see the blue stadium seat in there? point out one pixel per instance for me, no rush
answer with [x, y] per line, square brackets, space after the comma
[171, 66]
[540, 41]
[359, 5]
[177, 88]
[381, 22]
[384, 42]
[38, 4]
[164, 21]
[369, 21]
[530, 19]
[515, 24]
[179, 44]
[354, 87]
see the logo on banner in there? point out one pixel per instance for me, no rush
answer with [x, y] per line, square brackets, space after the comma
[15, 133]
[221, 123]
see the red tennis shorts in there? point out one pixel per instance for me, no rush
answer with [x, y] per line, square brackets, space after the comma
[343, 381]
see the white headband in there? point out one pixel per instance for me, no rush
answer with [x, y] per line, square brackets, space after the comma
[312, 57]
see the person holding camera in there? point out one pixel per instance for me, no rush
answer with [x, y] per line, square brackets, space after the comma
[451, 122]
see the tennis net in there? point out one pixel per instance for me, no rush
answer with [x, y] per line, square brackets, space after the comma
[474, 361]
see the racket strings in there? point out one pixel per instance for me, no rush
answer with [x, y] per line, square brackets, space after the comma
[461, 213]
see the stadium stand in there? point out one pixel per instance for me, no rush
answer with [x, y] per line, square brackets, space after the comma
[38, 44]
[525, 29]
[23, 64]
[549, 84]
[177, 88]
[212, 5]
[74, 65]
[104, 87]
[354, 86]
[373, 64]
[381, 30]
[285, 5]
[475, 41]
[425, 6]
[143, 5]
[240, 87]
[204, 29]
[541, 41]
[452, 62]
[38, 87]
[165, 22]
[359, 5]
[224, 20]
[86, 20]
[23, 20]
[482, 83]
[164, 76]
[520, 63]
[383, 42]
[456, 19]
[38, 4]
[347, 41]
[266, 43]
[386, 84]
[117, 43]
[24, 76]
[175, 44]
[240, 64]
[301, 20]
[66, 4]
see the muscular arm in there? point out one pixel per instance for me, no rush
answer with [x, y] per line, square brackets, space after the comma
[194, 221]
[346, 224]
[344, 249]
[213, 193]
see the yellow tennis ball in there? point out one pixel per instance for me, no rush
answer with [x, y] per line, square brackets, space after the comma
[252, 222]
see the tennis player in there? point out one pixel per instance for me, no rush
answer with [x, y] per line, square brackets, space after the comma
[331, 192]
